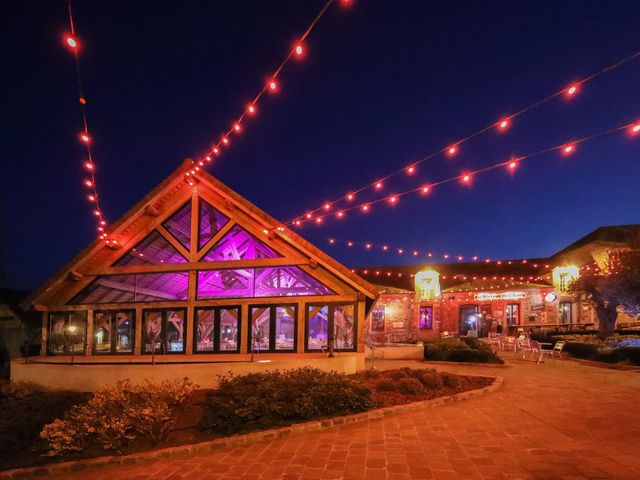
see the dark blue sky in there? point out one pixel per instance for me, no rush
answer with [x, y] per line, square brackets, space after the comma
[382, 84]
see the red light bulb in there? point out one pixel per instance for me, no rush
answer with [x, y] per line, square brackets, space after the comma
[273, 85]
[71, 41]
[572, 90]
[91, 198]
[340, 214]
[298, 50]
[393, 200]
[89, 166]
[425, 189]
[635, 129]
[350, 196]
[365, 208]
[251, 109]
[452, 150]
[88, 183]
[466, 178]
[237, 127]
[411, 170]
[378, 185]
[568, 149]
[503, 124]
[225, 140]
[327, 206]
[85, 137]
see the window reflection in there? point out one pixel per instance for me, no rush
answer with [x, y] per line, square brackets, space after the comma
[273, 328]
[217, 329]
[336, 318]
[67, 333]
[163, 331]
[113, 332]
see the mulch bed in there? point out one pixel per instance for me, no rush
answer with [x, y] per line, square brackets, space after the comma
[388, 399]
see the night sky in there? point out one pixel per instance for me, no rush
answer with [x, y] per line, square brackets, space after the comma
[382, 84]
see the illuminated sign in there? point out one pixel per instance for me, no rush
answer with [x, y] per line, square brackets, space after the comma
[427, 284]
[486, 297]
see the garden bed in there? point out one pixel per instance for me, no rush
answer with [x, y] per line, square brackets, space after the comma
[310, 395]
[463, 350]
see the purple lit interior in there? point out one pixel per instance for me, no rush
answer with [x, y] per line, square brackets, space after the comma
[318, 330]
[147, 287]
[209, 223]
[238, 244]
[179, 225]
[153, 250]
[258, 282]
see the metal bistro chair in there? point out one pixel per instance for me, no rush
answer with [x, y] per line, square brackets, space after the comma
[537, 349]
[557, 349]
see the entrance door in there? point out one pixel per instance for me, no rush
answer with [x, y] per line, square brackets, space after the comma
[485, 321]
[469, 320]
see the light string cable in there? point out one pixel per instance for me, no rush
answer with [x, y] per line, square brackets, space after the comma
[466, 178]
[453, 148]
[251, 108]
[88, 165]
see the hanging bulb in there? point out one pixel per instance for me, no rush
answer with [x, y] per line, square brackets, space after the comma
[251, 109]
[85, 137]
[503, 124]
[71, 41]
[298, 50]
[452, 150]
[273, 85]
[572, 90]
[568, 149]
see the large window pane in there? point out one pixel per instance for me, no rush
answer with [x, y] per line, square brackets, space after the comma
[153, 250]
[317, 327]
[129, 288]
[285, 325]
[151, 332]
[260, 328]
[67, 333]
[125, 331]
[209, 223]
[225, 283]
[205, 325]
[344, 326]
[102, 332]
[57, 338]
[238, 244]
[229, 326]
[287, 281]
[179, 225]
[426, 317]
[175, 331]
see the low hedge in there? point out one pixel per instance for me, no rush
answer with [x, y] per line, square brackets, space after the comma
[26, 408]
[266, 400]
[460, 350]
[595, 352]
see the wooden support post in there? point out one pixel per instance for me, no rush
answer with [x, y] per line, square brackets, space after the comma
[88, 348]
[191, 297]
[137, 345]
[45, 333]
[245, 326]
[301, 330]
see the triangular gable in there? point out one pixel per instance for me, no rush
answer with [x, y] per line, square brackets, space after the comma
[238, 244]
[158, 211]
[153, 250]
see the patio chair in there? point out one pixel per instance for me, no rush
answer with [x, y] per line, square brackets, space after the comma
[537, 349]
[557, 349]
[524, 345]
[509, 343]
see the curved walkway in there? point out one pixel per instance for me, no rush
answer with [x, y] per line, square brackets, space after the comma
[559, 420]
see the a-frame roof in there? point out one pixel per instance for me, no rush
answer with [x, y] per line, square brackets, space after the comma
[145, 215]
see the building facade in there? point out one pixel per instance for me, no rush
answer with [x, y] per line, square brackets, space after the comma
[476, 298]
[196, 275]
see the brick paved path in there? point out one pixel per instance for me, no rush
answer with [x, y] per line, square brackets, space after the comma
[562, 420]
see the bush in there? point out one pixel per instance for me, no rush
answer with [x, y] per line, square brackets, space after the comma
[264, 400]
[371, 373]
[386, 385]
[455, 350]
[117, 415]
[431, 379]
[449, 380]
[410, 386]
[26, 408]
[398, 374]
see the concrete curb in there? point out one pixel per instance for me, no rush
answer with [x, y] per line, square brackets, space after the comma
[467, 364]
[244, 439]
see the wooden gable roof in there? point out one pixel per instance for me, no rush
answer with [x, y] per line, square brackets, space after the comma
[149, 214]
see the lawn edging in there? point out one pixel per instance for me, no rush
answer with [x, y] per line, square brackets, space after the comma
[466, 364]
[242, 439]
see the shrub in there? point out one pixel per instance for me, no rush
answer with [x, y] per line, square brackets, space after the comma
[450, 380]
[116, 415]
[26, 408]
[431, 380]
[410, 386]
[386, 385]
[371, 373]
[455, 350]
[264, 400]
[397, 374]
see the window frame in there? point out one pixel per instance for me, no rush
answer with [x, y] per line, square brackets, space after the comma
[272, 327]
[517, 323]
[216, 329]
[163, 330]
[384, 319]
[429, 306]
[112, 348]
[331, 324]
[66, 314]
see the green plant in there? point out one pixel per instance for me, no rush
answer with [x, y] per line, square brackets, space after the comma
[117, 415]
[264, 400]
[397, 374]
[386, 385]
[431, 379]
[455, 350]
[450, 380]
[371, 373]
[410, 386]
[26, 408]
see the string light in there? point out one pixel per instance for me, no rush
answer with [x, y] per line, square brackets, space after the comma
[466, 178]
[635, 128]
[453, 149]
[71, 41]
[271, 85]
[572, 90]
